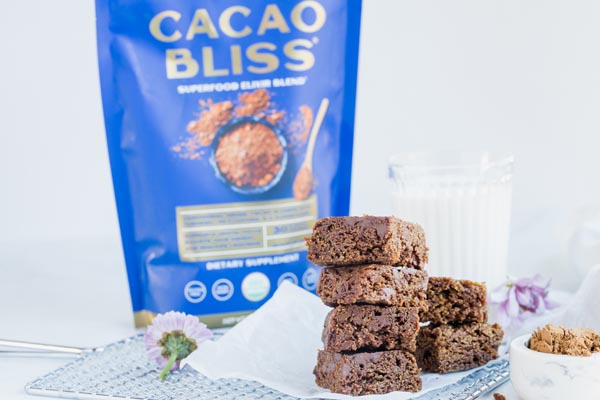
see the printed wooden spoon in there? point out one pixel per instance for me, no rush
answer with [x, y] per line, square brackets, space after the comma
[304, 181]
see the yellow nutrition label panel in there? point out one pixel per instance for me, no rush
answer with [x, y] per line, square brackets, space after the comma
[244, 229]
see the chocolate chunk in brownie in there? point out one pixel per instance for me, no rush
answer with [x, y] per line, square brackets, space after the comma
[338, 241]
[455, 301]
[449, 348]
[560, 340]
[368, 327]
[368, 373]
[373, 284]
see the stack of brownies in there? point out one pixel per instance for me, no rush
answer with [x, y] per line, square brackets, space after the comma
[458, 336]
[375, 281]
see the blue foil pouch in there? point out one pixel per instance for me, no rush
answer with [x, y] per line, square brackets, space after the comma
[230, 131]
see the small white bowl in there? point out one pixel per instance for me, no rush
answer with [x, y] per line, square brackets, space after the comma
[537, 376]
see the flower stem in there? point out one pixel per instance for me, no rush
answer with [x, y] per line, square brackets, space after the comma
[170, 363]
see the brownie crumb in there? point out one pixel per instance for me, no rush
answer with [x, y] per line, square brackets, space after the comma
[560, 340]
[499, 396]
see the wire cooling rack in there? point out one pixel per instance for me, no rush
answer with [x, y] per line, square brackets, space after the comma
[123, 371]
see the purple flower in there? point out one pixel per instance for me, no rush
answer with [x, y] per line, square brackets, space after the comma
[519, 298]
[172, 337]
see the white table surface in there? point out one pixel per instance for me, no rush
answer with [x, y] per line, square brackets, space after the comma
[71, 293]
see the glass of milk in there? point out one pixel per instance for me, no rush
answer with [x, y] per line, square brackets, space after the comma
[463, 202]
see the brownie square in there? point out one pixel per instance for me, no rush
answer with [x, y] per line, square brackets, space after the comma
[373, 284]
[338, 241]
[455, 301]
[368, 327]
[368, 373]
[449, 348]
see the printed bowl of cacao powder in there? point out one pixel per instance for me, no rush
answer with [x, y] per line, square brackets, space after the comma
[249, 154]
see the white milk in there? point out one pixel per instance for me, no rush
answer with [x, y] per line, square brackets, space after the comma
[465, 217]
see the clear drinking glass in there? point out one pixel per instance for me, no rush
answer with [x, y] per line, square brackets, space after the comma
[463, 202]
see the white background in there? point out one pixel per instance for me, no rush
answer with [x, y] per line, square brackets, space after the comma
[518, 76]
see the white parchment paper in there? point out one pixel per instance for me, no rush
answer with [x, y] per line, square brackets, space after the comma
[277, 346]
